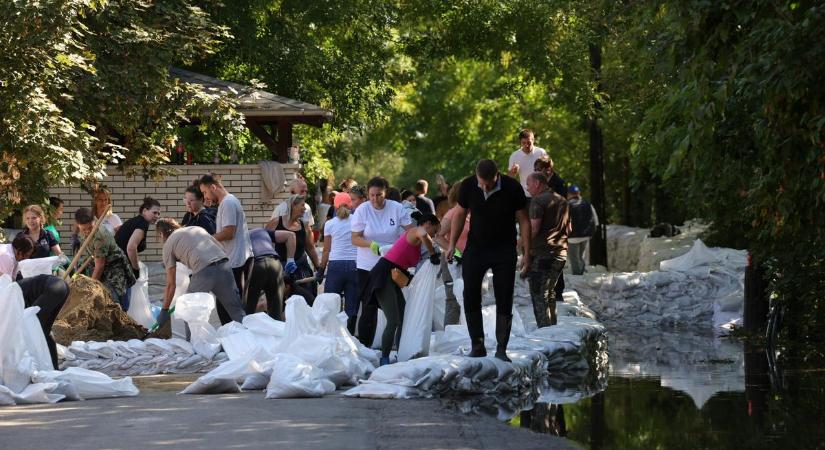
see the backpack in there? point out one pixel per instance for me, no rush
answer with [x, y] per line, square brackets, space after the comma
[582, 217]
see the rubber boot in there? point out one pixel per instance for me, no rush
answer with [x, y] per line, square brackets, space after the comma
[475, 326]
[383, 361]
[503, 325]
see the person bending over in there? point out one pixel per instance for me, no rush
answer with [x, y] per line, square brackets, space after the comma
[204, 256]
[391, 273]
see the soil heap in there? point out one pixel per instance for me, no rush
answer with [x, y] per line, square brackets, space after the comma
[90, 314]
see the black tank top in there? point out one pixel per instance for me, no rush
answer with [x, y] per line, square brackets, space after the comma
[300, 240]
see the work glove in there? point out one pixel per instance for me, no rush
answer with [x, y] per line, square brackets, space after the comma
[376, 248]
[136, 272]
[435, 258]
[290, 267]
[319, 274]
[163, 317]
[457, 256]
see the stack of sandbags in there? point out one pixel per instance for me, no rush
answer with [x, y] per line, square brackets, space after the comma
[623, 245]
[686, 292]
[90, 314]
[26, 374]
[136, 357]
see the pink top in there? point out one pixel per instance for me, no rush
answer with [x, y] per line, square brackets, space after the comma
[462, 238]
[403, 253]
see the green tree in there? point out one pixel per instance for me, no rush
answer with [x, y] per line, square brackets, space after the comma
[83, 84]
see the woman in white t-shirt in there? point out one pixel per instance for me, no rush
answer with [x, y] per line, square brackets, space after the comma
[102, 200]
[376, 223]
[338, 260]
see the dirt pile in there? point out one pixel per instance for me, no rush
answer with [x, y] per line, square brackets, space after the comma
[90, 314]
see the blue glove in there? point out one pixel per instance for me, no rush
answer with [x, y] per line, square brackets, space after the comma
[290, 267]
[435, 258]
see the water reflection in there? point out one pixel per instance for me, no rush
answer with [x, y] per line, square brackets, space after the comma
[641, 412]
[691, 361]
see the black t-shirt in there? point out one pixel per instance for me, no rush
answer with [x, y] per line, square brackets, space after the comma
[44, 244]
[128, 228]
[203, 219]
[492, 221]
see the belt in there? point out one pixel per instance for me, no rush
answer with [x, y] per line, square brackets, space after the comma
[215, 263]
[258, 258]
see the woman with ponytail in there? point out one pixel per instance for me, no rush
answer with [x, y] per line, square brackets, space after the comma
[338, 259]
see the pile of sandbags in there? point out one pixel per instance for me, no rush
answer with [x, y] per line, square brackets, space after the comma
[136, 357]
[90, 314]
[309, 355]
[687, 291]
[26, 372]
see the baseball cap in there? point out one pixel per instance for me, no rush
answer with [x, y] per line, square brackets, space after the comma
[574, 188]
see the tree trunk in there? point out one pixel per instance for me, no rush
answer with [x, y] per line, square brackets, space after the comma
[598, 244]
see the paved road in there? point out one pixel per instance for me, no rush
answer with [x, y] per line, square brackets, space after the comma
[159, 418]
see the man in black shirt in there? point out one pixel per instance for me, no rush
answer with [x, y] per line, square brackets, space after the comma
[495, 201]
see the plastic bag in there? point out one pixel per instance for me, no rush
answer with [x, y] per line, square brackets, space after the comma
[37, 266]
[195, 309]
[139, 306]
[418, 314]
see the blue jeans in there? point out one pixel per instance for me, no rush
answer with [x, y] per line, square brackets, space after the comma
[342, 278]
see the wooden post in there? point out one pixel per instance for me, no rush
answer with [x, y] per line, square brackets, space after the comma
[284, 139]
[598, 244]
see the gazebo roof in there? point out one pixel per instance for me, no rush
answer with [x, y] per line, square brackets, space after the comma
[257, 104]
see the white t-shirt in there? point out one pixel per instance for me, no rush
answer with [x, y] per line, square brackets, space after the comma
[525, 163]
[341, 233]
[111, 222]
[230, 213]
[380, 225]
[307, 218]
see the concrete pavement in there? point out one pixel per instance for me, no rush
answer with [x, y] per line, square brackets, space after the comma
[159, 418]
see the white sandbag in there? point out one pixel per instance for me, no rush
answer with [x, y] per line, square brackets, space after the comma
[439, 307]
[294, 378]
[224, 378]
[261, 323]
[381, 323]
[195, 309]
[89, 384]
[35, 340]
[37, 266]
[15, 362]
[181, 287]
[418, 314]
[139, 305]
[239, 345]
[699, 255]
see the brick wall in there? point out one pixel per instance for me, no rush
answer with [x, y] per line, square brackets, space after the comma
[244, 181]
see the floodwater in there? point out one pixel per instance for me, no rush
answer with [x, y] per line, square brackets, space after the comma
[669, 389]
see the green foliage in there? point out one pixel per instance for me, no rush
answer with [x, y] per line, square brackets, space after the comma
[739, 134]
[85, 83]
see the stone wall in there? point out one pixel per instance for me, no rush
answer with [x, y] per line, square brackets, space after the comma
[244, 181]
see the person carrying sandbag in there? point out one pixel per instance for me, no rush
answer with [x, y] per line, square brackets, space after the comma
[390, 274]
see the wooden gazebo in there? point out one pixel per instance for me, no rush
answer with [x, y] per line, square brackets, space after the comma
[262, 110]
